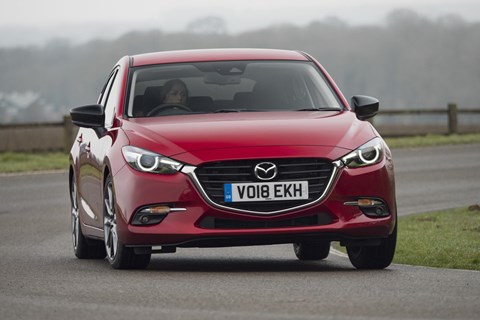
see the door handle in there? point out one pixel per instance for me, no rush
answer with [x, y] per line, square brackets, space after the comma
[87, 148]
[80, 138]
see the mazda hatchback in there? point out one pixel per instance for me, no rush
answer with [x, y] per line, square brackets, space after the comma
[229, 147]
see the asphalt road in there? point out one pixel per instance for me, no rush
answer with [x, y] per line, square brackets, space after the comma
[436, 178]
[41, 279]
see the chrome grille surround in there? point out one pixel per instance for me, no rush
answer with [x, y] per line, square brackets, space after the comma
[193, 171]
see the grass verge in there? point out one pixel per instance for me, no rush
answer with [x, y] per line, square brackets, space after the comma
[25, 161]
[446, 239]
[432, 140]
[442, 239]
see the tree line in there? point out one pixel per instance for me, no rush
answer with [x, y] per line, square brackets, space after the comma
[408, 62]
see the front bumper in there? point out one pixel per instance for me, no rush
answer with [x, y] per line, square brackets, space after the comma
[336, 219]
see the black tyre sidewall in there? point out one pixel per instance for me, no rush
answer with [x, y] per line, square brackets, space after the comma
[312, 250]
[125, 257]
[374, 257]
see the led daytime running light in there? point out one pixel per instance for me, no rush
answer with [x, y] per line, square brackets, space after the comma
[361, 156]
[377, 155]
[141, 166]
[147, 161]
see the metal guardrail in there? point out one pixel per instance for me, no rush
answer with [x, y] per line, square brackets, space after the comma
[59, 136]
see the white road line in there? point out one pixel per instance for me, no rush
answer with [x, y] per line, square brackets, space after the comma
[338, 253]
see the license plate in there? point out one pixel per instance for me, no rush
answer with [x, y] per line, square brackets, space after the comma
[265, 191]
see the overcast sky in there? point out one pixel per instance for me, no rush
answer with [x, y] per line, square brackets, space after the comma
[110, 18]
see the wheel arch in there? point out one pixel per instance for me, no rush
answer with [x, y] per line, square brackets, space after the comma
[71, 172]
[106, 173]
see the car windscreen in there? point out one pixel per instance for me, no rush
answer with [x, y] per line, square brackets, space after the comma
[228, 86]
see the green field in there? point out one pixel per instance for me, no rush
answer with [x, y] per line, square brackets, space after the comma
[442, 239]
[432, 140]
[25, 162]
[447, 239]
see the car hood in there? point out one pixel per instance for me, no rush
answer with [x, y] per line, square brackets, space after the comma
[208, 137]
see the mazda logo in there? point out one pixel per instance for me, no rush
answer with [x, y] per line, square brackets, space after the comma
[265, 171]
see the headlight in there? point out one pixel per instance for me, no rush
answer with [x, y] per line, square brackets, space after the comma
[370, 153]
[147, 161]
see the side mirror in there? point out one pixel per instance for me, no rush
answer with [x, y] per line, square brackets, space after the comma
[365, 107]
[91, 116]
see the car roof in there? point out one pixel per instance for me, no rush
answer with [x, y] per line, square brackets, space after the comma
[215, 55]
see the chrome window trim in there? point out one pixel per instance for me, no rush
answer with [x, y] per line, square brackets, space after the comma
[190, 171]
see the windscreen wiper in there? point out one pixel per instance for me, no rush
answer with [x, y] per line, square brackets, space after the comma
[319, 109]
[226, 110]
[236, 110]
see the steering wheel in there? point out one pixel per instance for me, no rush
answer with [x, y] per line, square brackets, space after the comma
[166, 106]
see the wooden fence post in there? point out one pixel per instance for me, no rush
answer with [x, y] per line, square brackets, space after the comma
[67, 133]
[452, 118]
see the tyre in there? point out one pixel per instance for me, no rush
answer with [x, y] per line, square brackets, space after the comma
[82, 247]
[118, 255]
[312, 250]
[374, 257]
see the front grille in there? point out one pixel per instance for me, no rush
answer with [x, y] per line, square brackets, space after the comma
[212, 177]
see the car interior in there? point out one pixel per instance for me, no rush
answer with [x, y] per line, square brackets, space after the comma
[230, 87]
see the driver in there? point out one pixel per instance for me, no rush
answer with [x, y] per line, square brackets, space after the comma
[175, 92]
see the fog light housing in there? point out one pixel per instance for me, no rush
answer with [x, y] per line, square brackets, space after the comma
[150, 215]
[371, 207]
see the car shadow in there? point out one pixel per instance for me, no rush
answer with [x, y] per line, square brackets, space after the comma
[176, 264]
[242, 265]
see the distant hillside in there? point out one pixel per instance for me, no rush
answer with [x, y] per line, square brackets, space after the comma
[409, 62]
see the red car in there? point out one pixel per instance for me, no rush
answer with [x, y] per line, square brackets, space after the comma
[229, 147]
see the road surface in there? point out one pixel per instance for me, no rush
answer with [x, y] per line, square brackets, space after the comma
[41, 279]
